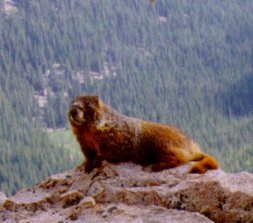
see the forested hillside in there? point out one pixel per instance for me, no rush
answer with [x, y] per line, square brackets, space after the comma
[182, 62]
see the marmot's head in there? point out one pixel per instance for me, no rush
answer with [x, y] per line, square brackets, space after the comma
[84, 110]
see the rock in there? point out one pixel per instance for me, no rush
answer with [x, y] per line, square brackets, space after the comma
[129, 193]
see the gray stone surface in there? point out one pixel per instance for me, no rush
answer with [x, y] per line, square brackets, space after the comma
[129, 193]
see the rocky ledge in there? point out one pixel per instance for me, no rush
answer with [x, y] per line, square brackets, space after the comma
[128, 193]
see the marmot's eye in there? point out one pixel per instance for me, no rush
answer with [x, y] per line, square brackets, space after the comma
[88, 104]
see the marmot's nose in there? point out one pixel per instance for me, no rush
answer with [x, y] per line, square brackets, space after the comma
[73, 112]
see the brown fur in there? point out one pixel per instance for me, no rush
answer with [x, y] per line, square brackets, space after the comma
[104, 134]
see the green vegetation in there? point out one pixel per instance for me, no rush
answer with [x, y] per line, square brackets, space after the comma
[186, 63]
[64, 139]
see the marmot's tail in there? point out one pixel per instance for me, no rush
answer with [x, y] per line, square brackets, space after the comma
[203, 163]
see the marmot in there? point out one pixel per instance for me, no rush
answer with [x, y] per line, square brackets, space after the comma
[105, 134]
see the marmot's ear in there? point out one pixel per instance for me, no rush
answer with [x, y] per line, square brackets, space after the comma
[96, 99]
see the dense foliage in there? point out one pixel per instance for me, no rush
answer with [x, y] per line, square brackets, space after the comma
[183, 62]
